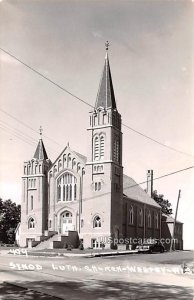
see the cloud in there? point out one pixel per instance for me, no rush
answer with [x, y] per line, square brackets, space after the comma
[5, 58]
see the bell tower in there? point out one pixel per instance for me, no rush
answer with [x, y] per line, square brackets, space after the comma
[34, 205]
[104, 172]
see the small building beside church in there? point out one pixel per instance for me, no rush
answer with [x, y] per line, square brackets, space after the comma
[87, 199]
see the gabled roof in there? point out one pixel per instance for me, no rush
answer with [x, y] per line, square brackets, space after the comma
[106, 97]
[40, 152]
[67, 148]
[169, 219]
[81, 156]
[133, 191]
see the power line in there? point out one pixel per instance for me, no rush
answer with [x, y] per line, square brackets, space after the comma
[86, 103]
[131, 186]
[20, 135]
[24, 124]
[17, 136]
[172, 173]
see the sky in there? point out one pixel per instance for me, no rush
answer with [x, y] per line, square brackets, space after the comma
[151, 59]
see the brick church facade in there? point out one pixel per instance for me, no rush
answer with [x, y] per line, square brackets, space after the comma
[87, 199]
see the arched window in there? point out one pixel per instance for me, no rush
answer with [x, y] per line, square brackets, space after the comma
[97, 186]
[68, 159]
[59, 164]
[31, 202]
[67, 187]
[97, 222]
[59, 189]
[140, 217]
[73, 162]
[101, 147]
[131, 215]
[96, 148]
[64, 159]
[156, 221]
[31, 223]
[149, 219]
[116, 151]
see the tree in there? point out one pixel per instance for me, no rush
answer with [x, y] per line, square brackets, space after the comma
[165, 204]
[9, 218]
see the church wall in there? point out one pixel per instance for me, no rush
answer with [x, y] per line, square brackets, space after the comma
[137, 227]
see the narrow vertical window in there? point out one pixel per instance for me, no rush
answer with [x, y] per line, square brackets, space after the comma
[59, 190]
[96, 148]
[101, 147]
[131, 215]
[149, 220]
[140, 217]
[156, 221]
[96, 186]
[117, 150]
[70, 192]
[75, 192]
[67, 193]
[32, 204]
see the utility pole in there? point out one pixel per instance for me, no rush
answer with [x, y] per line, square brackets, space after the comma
[172, 240]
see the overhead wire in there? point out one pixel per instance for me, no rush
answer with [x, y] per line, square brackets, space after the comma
[91, 106]
[21, 135]
[129, 186]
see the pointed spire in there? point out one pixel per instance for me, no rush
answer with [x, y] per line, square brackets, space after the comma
[106, 97]
[40, 152]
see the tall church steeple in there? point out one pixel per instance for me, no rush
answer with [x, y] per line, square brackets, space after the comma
[105, 96]
[104, 171]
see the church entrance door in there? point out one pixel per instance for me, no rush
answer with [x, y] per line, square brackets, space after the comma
[67, 221]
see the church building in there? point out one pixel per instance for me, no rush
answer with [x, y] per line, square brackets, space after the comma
[87, 200]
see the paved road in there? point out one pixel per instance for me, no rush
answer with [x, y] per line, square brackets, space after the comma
[156, 276]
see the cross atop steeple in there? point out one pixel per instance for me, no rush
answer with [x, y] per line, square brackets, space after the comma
[40, 131]
[107, 44]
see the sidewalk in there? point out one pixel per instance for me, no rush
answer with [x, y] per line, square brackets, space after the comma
[79, 253]
[65, 253]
